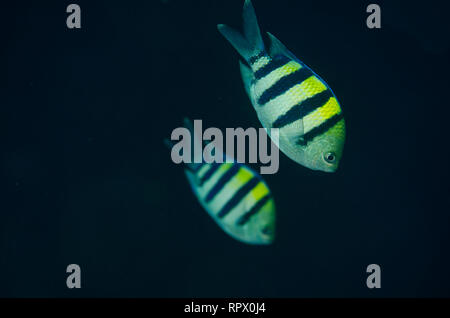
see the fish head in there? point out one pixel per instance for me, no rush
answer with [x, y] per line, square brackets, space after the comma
[260, 229]
[324, 152]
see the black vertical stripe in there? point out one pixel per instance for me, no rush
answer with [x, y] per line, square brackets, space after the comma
[271, 66]
[197, 166]
[213, 167]
[230, 173]
[255, 209]
[238, 196]
[303, 108]
[319, 130]
[256, 57]
[284, 84]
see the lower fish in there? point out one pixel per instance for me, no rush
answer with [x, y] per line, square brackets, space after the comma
[235, 196]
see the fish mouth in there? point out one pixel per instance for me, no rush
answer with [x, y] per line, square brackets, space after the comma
[331, 169]
[265, 240]
[321, 166]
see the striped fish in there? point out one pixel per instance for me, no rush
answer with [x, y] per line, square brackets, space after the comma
[235, 196]
[288, 95]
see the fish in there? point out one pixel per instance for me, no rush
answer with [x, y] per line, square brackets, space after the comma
[286, 94]
[235, 196]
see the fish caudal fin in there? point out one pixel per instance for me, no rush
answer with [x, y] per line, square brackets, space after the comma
[251, 28]
[250, 43]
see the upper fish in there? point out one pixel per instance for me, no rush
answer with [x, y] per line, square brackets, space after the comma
[288, 95]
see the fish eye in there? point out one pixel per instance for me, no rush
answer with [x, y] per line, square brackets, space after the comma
[330, 157]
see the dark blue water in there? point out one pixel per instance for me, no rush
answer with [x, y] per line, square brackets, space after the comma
[86, 178]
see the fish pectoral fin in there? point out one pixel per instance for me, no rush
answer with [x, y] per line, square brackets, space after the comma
[278, 48]
[301, 141]
[294, 133]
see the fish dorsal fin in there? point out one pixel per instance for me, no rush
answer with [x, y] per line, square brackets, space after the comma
[278, 48]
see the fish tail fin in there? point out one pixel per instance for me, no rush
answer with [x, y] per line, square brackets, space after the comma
[192, 165]
[250, 43]
[251, 27]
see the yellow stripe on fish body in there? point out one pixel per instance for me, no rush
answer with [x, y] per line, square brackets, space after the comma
[227, 190]
[321, 115]
[236, 197]
[283, 84]
[209, 175]
[249, 200]
[284, 88]
[287, 94]
[264, 83]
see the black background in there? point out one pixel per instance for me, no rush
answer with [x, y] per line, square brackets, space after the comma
[86, 178]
